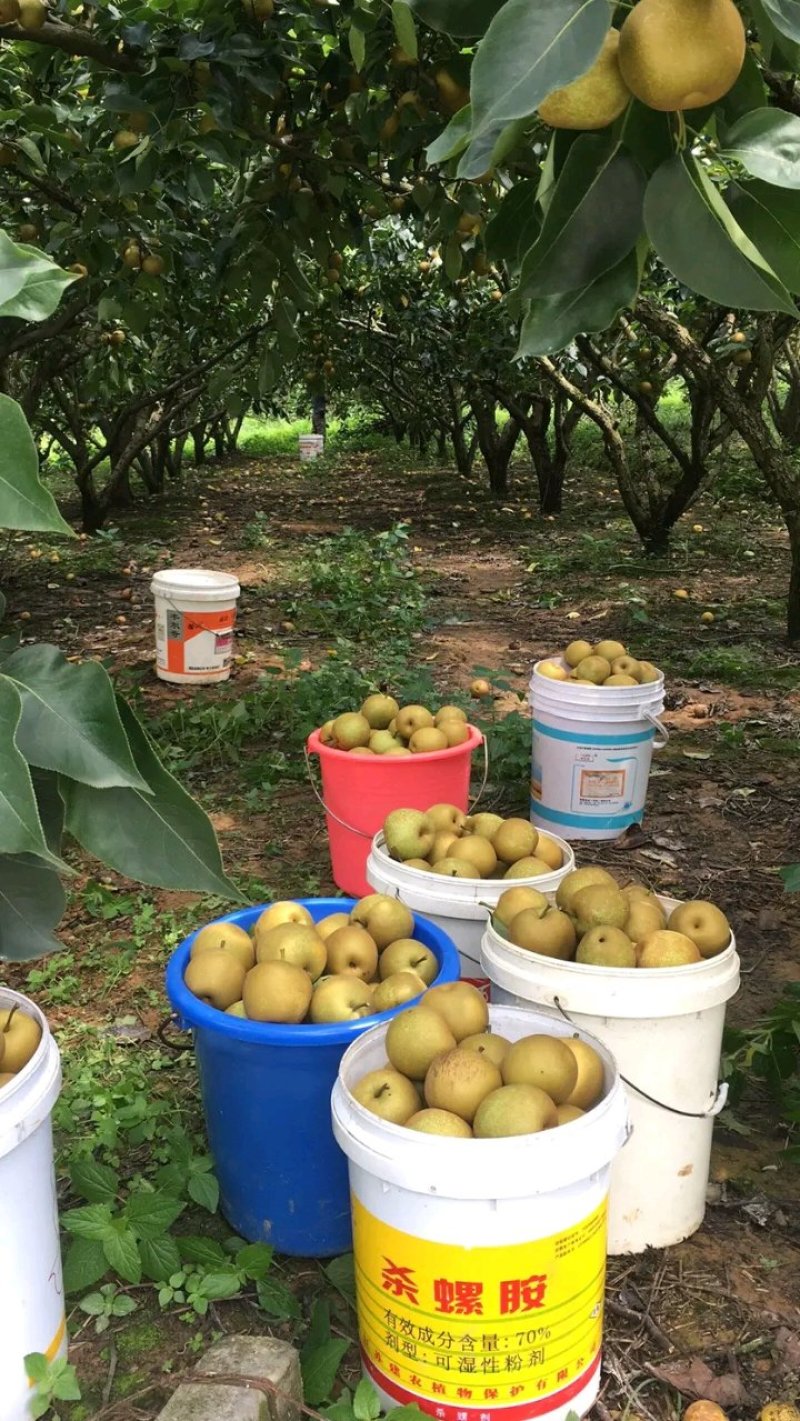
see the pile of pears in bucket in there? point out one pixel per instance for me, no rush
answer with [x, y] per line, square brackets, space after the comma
[446, 841]
[448, 1074]
[607, 663]
[290, 969]
[383, 727]
[20, 1035]
[600, 923]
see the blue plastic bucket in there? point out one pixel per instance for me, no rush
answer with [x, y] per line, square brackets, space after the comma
[266, 1091]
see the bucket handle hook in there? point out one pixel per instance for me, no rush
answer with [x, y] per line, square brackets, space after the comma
[474, 802]
[659, 726]
[717, 1104]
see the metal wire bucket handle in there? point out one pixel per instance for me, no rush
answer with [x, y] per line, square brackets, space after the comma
[713, 1109]
[660, 729]
[474, 802]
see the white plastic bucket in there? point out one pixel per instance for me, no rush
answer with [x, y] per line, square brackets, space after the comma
[480, 1264]
[592, 747]
[195, 616]
[664, 1028]
[31, 1288]
[310, 446]
[459, 906]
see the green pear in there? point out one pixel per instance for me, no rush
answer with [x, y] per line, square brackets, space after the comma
[518, 1109]
[439, 1122]
[599, 905]
[379, 711]
[351, 730]
[408, 834]
[606, 947]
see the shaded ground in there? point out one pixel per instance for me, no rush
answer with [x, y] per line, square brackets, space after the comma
[504, 588]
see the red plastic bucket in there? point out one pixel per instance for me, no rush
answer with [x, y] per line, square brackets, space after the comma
[358, 791]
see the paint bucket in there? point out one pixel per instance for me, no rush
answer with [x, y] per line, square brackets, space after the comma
[195, 615]
[31, 1288]
[459, 906]
[358, 791]
[592, 747]
[664, 1028]
[480, 1264]
[310, 446]
[266, 1091]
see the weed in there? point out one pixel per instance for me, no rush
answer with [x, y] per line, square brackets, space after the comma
[769, 1052]
[361, 585]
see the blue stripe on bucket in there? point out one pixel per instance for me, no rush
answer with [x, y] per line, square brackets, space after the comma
[587, 739]
[585, 821]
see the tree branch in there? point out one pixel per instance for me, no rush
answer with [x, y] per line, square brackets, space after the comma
[72, 40]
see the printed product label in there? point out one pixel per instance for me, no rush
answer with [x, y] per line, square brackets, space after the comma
[576, 776]
[195, 643]
[465, 1331]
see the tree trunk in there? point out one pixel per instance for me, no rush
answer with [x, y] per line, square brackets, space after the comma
[319, 414]
[463, 450]
[199, 441]
[496, 445]
[793, 603]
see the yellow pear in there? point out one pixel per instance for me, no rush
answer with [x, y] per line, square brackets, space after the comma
[543, 1061]
[578, 879]
[593, 668]
[518, 1109]
[681, 54]
[487, 1044]
[472, 849]
[606, 947]
[668, 948]
[595, 99]
[576, 652]
[551, 934]
[439, 1122]
[548, 850]
[705, 924]
[599, 905]
[551, 669]
[531, 867]
[515, 839]
[645, 916]
[515, 900]
[230, 938]
[591, 1076]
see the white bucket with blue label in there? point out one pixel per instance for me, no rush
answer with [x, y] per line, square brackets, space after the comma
[592, 748]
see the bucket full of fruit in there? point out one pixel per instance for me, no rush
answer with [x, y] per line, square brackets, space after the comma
[453, 867]
[480, 1142]
[595, 727]
[273, 996]
[379, 758]
[31, 1290]
[650, 977]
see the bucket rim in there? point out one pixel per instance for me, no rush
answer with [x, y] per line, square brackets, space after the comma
[197, 1015]
[217, 584]
[478, 1169]
[614, 991]
[330, 752]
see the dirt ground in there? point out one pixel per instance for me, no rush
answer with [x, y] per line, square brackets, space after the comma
[719, 1315]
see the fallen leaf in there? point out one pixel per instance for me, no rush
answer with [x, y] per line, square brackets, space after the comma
[694, 1378]
[697, 754]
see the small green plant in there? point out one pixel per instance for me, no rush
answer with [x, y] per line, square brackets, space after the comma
[53, 1381]
[769, 1052]
[107, 1304]
[361, 585]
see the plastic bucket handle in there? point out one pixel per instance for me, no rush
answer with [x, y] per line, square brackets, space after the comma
[476, 799]
[659, 726]
[717, 1104]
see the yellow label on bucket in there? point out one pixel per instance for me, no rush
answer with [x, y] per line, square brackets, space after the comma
[466, 1330]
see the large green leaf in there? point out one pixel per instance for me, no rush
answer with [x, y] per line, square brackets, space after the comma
[749, 92]
[405, 32]
[457, 17]
[515, 225]
[70, 721]
[20, 826]
[553, 322]
[531, 49]
[162, 837]
[767, 143]
[25, 503]
[31, 285]
[771, 218]
[453, 139]
[785, 16]
[593, 220]
[490, 148]
[31, 904]
[699, 241]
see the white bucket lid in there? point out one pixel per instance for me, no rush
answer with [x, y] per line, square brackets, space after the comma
[196, 583]
[518, 1167]
[27, 1100]
[572, 700]
[632, 992]
[454, 897]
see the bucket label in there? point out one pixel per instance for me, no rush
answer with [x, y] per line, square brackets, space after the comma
[194, 643]
[465, 1331]
[574, 779]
